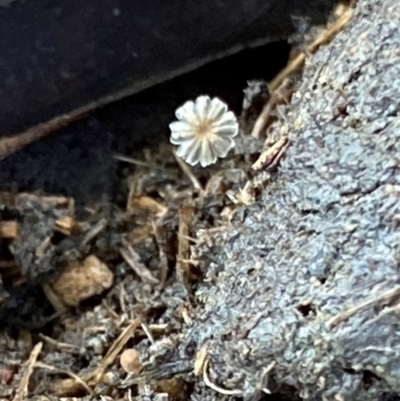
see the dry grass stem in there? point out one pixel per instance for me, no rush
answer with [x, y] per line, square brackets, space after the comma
[114, 350]
[343, 316]
[186, 215]
[214, 387]
[133, 260]
[73, 376]
[22, 390]
[295, 65]
[188, 172]
[271, 156]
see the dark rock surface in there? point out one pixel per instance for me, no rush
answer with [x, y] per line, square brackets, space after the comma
[308, 278]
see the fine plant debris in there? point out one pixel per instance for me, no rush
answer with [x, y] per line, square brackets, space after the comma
[260, 267]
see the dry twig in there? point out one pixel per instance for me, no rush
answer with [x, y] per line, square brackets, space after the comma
[64, 346]
[14, 143]
[199, 361]
[343, 316]
[183, 268]
[66, 372]
[22, 390]
[115, 349]
[214, 387]
[322, 39]
[94, 232]
[188, 172]
[271, 156]
[295, 65]
[133, 260]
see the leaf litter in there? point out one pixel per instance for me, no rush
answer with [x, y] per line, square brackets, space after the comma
[86, 326]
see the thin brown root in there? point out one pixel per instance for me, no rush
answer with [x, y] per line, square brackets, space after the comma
[188, 172]
[94, 232]
[200, 358]
[271, 156]
[322, 39]
[163, 258]
[131, 160]
[343, 316]
[183, 270]
[213, 386]
[79, 380]
[14, 143]
[261, 121]
[95, 376]
[295, 65]
[64, 346]
[133, 260]
[266, 372]
[148, 333]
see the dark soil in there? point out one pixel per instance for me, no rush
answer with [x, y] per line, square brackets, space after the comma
[227, 282]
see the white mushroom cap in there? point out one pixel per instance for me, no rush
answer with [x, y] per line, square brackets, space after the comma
[204, 131]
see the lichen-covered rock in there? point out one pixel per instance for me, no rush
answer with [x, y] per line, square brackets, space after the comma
[308, 278]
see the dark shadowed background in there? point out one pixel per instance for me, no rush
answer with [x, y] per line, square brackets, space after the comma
[56, 56]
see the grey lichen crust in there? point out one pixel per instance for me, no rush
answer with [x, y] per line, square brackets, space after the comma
[308, 278]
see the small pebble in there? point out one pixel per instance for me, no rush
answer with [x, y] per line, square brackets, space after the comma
[130, 361]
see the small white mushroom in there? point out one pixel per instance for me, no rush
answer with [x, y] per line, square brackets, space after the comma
[204, 131]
